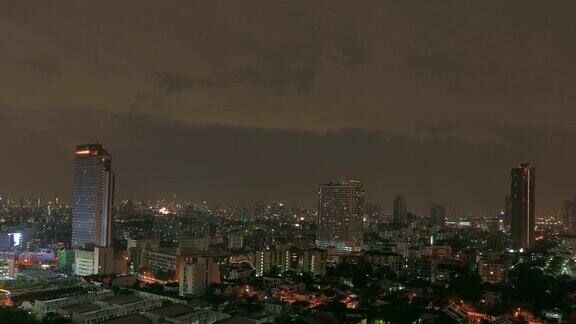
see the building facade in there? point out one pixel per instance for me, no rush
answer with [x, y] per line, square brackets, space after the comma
[569, 215]
[340, 215]
[438, 215]
[92, 197]
[400, 214]
[522, 211]
[196, 276]
[314, 261]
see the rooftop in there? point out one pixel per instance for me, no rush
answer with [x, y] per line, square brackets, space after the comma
[81, 308]
[50, 294]
[123, 299]
[132, 319]
[173, 310]
[234, 320]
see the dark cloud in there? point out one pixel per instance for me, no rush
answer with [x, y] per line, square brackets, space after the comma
[430, 91]
[46, 69]
[156, 157]
[173, 83]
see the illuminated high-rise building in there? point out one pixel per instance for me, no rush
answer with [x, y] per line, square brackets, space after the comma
[93, 197]
[522, 220]
[400, 215]
[340, 215]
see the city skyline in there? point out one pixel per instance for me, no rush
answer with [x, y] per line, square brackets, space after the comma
[257, 161]
[388, 202]
[392, 201]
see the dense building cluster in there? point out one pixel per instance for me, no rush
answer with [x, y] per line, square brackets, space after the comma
[170, 261]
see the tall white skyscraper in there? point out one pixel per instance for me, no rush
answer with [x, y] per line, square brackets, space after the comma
[93, 197]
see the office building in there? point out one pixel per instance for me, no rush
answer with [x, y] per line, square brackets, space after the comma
[8, 267]
[569, 215]
[340, 215]
[83, 262]
[422, 268]
[493, 271]
[314, 261]
[438, 215]
[98, 260]
[437, 251]
[189, 245]
[236, 240]
[136, 248]
[268, 259]
[388, 259]
[263, 262]
[400, 215]
[92, 199]
[196, 276]
[184, 314]
[522, 211]
[166, 261]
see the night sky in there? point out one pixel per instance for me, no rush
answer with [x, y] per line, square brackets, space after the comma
[239, 101]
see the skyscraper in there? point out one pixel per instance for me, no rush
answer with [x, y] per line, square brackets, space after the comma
[522, 219]
[438, 215]
[93, 196]
[340, 215]
[400, 214]
[569, 215]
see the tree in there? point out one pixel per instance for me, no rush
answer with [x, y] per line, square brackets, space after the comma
[18, 316]
[53, 318]
[467, 286]
[274, 272]
[335, 307]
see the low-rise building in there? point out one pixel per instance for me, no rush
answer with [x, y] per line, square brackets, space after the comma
[493, 272]
[276, 306]
[423, 268]
[83, 262]
[52, 302]
[314, 261]
[389, 259]
[161, 260]
[437, 251]
[239, 271]
[129, 319]
[99, 260]
[493, 267]
[87, 313]
[183, 314]
[129, 304]
[8, 267]
[236, 240]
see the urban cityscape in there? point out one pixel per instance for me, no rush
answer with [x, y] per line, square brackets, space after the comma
[366, 162]
[97, 260]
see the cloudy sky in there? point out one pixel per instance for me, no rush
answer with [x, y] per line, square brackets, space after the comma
[238, 101]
